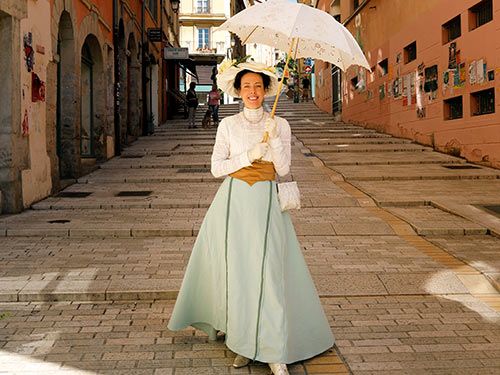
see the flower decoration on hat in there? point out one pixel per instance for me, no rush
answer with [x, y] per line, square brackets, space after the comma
[228, 70]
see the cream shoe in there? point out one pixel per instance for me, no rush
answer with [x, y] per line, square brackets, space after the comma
[279, 369]
[240, 361]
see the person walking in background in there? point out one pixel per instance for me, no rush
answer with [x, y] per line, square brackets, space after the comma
[213, 103]
[306, 85]
[192, 103]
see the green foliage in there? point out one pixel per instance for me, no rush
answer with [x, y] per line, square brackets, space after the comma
[5, 315]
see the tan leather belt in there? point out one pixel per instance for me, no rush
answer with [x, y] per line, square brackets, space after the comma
[258, 171]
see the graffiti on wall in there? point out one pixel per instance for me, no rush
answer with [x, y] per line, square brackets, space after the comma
[5, 158]
[29, 52]
[478, 72]
[25, 125]
[37, 88]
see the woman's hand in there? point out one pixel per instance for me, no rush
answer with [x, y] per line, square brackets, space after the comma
[257, 152]
[271, 128]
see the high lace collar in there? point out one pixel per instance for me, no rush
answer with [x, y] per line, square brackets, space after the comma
[253, 115]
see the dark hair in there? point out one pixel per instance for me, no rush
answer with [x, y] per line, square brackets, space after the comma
[192, 85]
[237, 80]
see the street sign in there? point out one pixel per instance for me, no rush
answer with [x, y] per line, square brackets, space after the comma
[171, 53]
[307, 69]
[155, 34]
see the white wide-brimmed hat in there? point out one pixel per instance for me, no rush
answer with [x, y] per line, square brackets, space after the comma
[230, 68]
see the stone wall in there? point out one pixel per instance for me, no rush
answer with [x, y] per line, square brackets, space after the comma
[13, 146]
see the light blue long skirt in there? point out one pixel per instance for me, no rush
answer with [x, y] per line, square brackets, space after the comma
[247, 277]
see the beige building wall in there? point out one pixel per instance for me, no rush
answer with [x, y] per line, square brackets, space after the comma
[36, 180]
[191, 21]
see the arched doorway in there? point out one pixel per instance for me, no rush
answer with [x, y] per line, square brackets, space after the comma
[133, 89]
[87, 105]
[92, 107]
[66, 135]
[122, 70]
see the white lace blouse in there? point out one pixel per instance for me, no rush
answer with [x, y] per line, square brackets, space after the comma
[239, 133]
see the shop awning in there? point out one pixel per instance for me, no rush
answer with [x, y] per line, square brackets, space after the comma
[189, 66]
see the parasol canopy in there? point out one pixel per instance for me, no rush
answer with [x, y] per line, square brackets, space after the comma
[306, 31]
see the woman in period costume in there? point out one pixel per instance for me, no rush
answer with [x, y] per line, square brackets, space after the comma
[246, 276]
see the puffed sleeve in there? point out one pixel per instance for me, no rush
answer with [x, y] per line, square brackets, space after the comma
[281, 149]
[223, 163]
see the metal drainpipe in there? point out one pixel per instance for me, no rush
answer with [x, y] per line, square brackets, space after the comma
[163, 73]
[116, 91]
[145, 117]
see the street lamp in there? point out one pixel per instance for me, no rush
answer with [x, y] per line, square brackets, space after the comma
[175, 5]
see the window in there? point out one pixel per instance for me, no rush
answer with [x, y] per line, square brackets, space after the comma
[483, 102]
[383, 67]
[453, 108]
[354, 82]
[480, 14]
[203, 38]
[410, 52]
[452, 29]
[202, 6]
[153, 7]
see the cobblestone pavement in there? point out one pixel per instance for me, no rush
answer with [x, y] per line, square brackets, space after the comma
[403, 252]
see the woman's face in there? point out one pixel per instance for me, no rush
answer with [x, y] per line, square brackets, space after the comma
[252, 90]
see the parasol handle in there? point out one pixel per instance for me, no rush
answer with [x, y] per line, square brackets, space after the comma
[280, 86]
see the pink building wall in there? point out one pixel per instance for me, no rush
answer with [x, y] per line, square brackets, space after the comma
[384, 30]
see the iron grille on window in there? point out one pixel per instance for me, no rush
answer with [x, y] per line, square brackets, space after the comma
[202, 6]
[410, 52]
[452, 29]
[453, 108]
[482, 13]
[483, 102]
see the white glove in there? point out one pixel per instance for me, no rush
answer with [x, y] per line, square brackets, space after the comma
[257, 152]
[272, 128]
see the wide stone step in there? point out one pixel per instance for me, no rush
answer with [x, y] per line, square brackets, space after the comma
[170, 222]
[48, 269]
[387, 193]
[401, 157]
[342, 140]
[415, 172]
[430, 221]
[308, 135]
[130, 195]
[320, 149]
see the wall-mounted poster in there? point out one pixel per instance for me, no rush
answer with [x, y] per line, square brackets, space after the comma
[462, 74]
[480, 71]
[397, 87]
[408, 89]
[472, 73]
[381, 91]
[452, 55]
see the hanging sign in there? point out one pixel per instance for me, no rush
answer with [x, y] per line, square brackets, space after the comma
[175, 53]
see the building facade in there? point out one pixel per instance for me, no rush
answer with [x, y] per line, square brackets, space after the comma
[434, 73]
[199, 20]
[82, 82]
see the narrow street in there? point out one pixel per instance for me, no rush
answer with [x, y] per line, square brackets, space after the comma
[402, 251]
